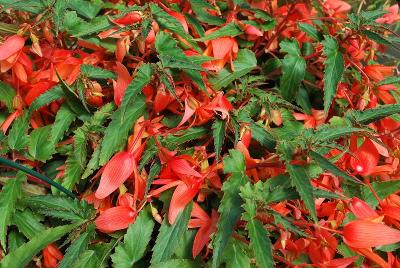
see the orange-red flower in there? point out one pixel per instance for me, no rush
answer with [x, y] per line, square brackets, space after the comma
[391, 17]
[51, 256]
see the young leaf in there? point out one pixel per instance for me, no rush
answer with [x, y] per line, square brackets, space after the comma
[327, 165]
[244, 63]
[8, 198]
[303, 186]
[135, 242]
[334, 67]
[7, 94]
[293, 69]
[40, 146]
[131, 109]
[169, 236]
[218, 128]
[230, 207]
[24, 254]
[76, 248]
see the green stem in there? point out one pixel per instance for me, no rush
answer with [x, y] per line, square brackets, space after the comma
[35, 174]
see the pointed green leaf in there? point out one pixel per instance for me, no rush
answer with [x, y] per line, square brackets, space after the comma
[177, 263]
[169, 236]
[334, 68]
[200, 8]
[218, 128]
[382, 189]
[52, 94]
[231, 29]
[17, 136]
[372, 115]
[261, 135]
[28, 223]
[135, 242]
[389, 80]
[310, 31]
[40, 146]
[64, 119]
[91, 71]
[7, 94]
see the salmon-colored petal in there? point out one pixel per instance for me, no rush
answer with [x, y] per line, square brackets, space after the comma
[182, 167]
[188, 113]
[115, 173]
[12, 45]
[341, 263]
[393, 212]
[222, 47]
[251, 30]
[20, 72]
[7, 122]
[365, 158]
[116, 218]
[198, 212]
[123, 80]
[201, 240]
[361, 209]
[180, 198]
[366, 234]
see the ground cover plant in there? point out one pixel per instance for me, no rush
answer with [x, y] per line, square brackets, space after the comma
[195, 133]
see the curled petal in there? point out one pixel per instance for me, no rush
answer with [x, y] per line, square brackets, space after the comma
[182, 195]
[116, 218]
[115, 173]
[123, 80]
[366, 234]
[12, 45]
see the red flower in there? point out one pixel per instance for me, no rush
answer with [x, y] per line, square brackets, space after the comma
[51, 256]
[365, 158]
[391, 17]
[123, 80]
[207, 226]
[12, 57]
[116, 218]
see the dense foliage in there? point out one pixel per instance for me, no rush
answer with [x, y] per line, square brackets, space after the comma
[195, 133]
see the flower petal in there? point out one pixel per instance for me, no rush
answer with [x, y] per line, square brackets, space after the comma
[116, 218]
[365, 158]
[115, 173]
[361, 209]
[123, 80]
[182, 167]
[366, 234]
[12, 45]
[180, 198]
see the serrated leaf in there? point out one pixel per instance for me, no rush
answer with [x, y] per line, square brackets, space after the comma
[382, 189]
[169, 236]
[93, 163]
[389, 80]
[200, 7]
[88, 9]
[76, 248]
[183, 136]
[303, 186]
[40, 146]
[218, 128]
[9, 195]
[87, 259]
[333, 133]
[293, 69]
[244, 63]
[17, 136]
[53, 94]
[7, 94]
[231, 29]
[310, 31]
[230, 207]
[379, 38]
[261, 135]
[24, 254]
[135, 241]
[91, 71]
[334, 68]
[60, 207]
[132, 107]
[63, 120]
[371, 115]
[177, 263]
[236, 254]
[28, 223]
[59, 10]
[78, 27]
[287, 224]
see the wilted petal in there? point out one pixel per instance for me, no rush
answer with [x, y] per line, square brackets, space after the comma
[116, 218]
[366, 234]
[116, 172]
[12, 45]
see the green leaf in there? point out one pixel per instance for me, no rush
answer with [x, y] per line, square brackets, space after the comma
[334, 67]
[64, 119]
[24, 254]
[310, 31]
[53, 94]
[230, 206]
[93, 163]
[9, 195]
[379, 38]
[183, 136]
[76, 248]
[327, 165]
[371, 115]
[91, 71]
[261, 135]
[7, 94]
[28, 223]
[40, 146]
[244, 63]
[177, 263]
[218, 128]
[87, 259]
[17, 136]
[132, 107]
[169, 236]
[60, 207]
[325, 134]
[389, 80]
[60, 7]
[135, 242]
[231, 29]
[88, 9]
[382, 189]
[200, 8]
[78, 27]
[293, 69]
[303, 186]
[236, 254]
